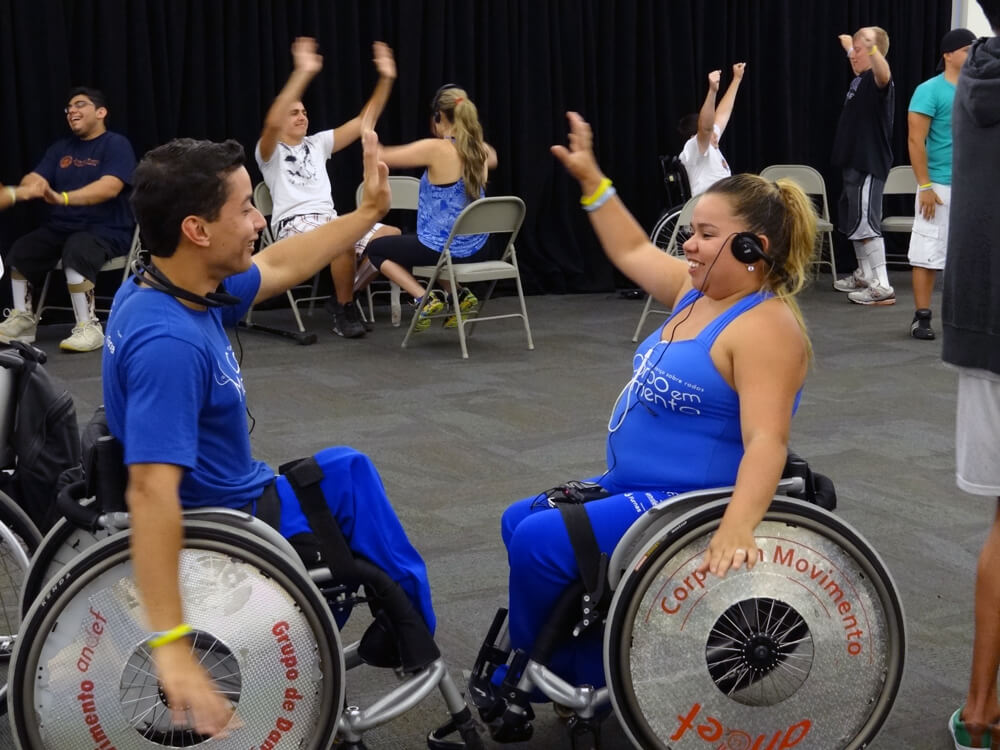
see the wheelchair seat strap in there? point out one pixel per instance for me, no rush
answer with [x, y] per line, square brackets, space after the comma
[593, 563]
[305, 476]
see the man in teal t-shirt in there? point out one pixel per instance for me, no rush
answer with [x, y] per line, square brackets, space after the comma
[929, 123]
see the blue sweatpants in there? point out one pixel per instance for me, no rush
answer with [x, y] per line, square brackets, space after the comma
[357, 499]
[542, 565]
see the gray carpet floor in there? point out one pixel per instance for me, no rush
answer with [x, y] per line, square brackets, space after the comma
[456, 441]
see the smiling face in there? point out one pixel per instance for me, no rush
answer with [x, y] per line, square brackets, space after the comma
[711, 264]
[84, 119]
[233, 234]
[296, 124]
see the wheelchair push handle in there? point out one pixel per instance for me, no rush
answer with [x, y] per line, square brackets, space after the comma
[83, 516]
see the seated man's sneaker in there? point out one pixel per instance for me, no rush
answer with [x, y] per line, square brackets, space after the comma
[468, 303]
[18, 326]
[86, 337]
[435, 304]
[851, 283]
[874, 294]
[920, 328]
[346, 319]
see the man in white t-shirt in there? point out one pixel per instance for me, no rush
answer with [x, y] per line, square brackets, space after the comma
[701, 155]
[294, 168]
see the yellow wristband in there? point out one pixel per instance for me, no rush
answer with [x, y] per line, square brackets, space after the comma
[65, 196]
[926, 185]
[169, 636]
[13, 195]
[587, 200]
[873, 50]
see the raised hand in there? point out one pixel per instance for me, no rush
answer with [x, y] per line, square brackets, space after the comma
[579, 158]
[738, 70]
[713, 80]
[385, 63]
[846, 41]
[305, 57]
[376, 193]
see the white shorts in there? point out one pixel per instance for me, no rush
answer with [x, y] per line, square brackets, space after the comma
[929, 240]
[302, 223]
[977, 432]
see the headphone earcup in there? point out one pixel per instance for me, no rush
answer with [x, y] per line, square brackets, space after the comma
[747, 249]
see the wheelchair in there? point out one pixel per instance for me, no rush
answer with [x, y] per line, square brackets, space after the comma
[807, 649]
[265, 629]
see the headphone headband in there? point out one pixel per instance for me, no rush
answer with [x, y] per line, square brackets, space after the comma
[153, 277]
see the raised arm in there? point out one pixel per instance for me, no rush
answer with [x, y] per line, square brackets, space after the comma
[307, 63]
[296, 258]
[769, 360]
[623, 240]
[385, 64]
[155, 516]
[706, 117]
[880, 67]
[725, 107]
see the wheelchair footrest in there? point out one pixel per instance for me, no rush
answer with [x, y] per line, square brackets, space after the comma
[461, 723]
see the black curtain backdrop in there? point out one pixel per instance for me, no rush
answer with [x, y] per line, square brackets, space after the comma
[210, 68]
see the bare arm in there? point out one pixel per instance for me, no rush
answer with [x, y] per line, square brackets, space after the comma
[706, 117]
[769, 367]
[296, 258]
[880, 68]
[385, 64]
[98, 191]
[623, 240]
[918, 126]
[725, 108]
[307, 63]
[155, 511]
[491, 157]
[416, 154]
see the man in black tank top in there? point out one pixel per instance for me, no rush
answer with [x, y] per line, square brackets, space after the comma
[862, 148]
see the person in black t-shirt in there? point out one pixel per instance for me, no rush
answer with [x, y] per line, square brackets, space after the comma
[862, 148]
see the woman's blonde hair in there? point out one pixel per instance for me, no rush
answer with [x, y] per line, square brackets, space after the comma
[455, 104]
[782, 212]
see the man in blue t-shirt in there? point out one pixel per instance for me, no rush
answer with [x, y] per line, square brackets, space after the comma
[929, 140]
[84, 178]
[175, 399]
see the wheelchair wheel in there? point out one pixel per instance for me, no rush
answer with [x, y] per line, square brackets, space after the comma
[808, 646]
[13, 567]
[664, 229]
[82, 675]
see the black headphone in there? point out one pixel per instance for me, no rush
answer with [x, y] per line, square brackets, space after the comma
[153, 277]
[747, 249]
[435, 108]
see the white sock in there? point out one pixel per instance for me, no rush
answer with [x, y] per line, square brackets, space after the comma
[874, 249]
[81, 295]
[20, 291]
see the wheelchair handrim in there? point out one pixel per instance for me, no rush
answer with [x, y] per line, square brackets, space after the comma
[657, 554]
[203, 538]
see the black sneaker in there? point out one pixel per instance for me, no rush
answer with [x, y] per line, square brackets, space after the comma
[920, 328]
[346, 319]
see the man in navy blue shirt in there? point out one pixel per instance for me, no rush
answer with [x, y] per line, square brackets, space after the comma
[84, 178]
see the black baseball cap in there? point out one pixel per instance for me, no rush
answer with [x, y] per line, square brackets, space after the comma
[956, 39]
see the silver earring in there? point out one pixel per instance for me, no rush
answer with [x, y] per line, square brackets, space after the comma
[750, 269]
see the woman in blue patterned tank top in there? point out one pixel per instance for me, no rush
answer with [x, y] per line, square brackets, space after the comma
[709, 397]
[456, 162]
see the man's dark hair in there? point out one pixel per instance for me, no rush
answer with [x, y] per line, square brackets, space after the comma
[95, 95]
[991, 9]
[181, 178]
[687, 126]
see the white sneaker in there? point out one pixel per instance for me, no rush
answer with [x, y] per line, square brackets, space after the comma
[876, 294]
[18, 326]
[852, 283]
[86, 337]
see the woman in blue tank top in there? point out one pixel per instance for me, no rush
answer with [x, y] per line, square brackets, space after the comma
[456, 162]
[711, 393]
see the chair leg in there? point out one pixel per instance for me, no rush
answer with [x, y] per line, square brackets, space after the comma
[295, 311]
[39, 305]
[833, 255]
[524, 312]
[642, 318]
[394, 307]
[371, 304]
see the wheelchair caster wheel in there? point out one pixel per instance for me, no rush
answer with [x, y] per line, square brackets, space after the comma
[584, 734]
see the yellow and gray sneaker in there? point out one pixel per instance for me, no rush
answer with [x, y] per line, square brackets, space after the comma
[18, 326]
[468, 303]
[435, 304]
[86, 337]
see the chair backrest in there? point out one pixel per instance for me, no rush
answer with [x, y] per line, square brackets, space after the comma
[405, 192]
[807, 178]
[497, 215]
[262, 198]
[901, 181]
